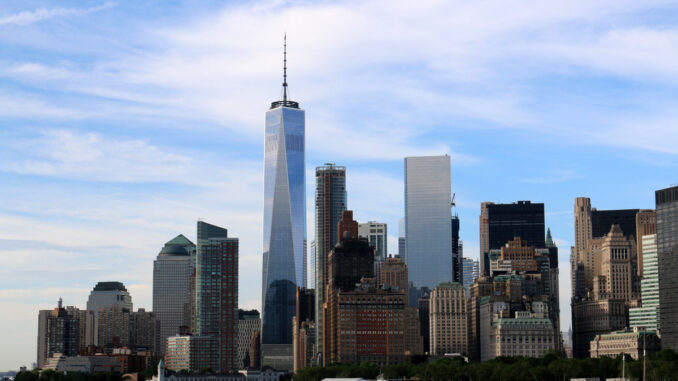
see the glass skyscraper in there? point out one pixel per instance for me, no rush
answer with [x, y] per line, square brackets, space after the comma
[667, 260]
[284, 218]
[428, 220]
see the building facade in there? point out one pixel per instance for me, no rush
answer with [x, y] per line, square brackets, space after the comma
[471, 270]
[58, 332]
[249, 322]
[172, 271]
[330, 203]
[667, 260]
[109, 294]
[633, 343]
[646, 224]
[188, 353]
[646, 317]
[217, 294]
[428, 198]
[377, 235]
[284, 217]
[448, 320]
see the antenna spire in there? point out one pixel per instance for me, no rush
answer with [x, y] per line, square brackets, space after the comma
[285, 68]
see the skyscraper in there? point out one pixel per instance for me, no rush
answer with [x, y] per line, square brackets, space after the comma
[109, 294]
[470, 273]
[330, 202]
[217, 294]
[171, 277]
[377, 235]
[428, 199]
[667, 259]
[457, 254]
[284, 216]
[58, 332]
[500, 223]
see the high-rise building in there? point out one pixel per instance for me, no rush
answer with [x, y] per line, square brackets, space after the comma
[249, 322]
[109, 294]
[667, 259]
[448, 319]
[284, 216]
[500, 223]
[393, 273]
[171, 287]
[428, 201]
[471, 269]
[377, 235]
[457, 252]
[188, 353]
[646, 317]
[145, 331]
[217, 294]
[330, 203]
[58, 332]
[646, 224]
[303, 323]
[311, 268]
[402, 240]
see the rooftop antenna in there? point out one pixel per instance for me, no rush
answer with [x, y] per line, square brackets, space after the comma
[285, 68]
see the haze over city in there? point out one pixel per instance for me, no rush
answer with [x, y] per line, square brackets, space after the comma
[122, 124]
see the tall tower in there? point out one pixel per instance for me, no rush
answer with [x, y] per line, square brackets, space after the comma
[217, 294]
[428, 220]
[284, 216]
[330, 202]
[667, 259]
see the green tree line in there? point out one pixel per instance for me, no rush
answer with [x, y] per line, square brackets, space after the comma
[552, 366]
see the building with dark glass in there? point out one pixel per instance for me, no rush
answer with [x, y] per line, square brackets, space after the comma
[284, 217]
[457, 254]
[217, 294]
[667, 259]
[501, 223]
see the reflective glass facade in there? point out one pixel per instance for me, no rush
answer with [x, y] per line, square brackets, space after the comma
[667, 259]
[284, 219]
[647, 316]
[428, 220]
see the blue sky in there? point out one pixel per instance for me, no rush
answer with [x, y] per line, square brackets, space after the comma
[122, 123]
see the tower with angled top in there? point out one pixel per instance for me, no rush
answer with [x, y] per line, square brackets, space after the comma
[284, 257]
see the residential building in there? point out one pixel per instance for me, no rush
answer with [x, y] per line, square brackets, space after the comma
[428, 198]
[188, 353]
[667, 260]
[58, 332]
[500, 223]
[393, 273]
[330, 203]
[646, 317]
[284, 216]
[217, 294]
[249, 322]
[448, 319]
[172, 271]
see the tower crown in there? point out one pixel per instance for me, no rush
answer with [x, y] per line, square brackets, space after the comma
[284, 102]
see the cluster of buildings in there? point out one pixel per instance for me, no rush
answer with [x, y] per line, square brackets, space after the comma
[623, 288]
[352, 301]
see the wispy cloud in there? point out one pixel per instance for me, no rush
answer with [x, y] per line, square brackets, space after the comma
[29, 17]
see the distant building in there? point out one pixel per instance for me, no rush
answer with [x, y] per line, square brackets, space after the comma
[311, 268]
[377, 235]
[117, 327]
[667, 259]
[448, 319]
[85, 364]
[646, 224]
[634, 343]
[428, 198]
[58, 332]
[457, 252]
[249, 322]
[188, 353]
[217, 294]
[109, 294]
[646, 317]
[471, 270]
[171, 287]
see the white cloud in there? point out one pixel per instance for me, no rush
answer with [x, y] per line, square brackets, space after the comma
[29, 17]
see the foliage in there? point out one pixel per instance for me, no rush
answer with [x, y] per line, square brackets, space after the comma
[552, 366]
[51, 375]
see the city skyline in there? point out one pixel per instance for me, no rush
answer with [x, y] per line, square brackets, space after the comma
[109, 146]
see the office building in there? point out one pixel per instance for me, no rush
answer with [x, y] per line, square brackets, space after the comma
[58, 332]
[635, 343]
[284, 216]
[402, 240]
[471, 269]
[428, 198]
[109, 294]
[457, 252]
[217, 294]
[330, 203]
[667, 260]
[188, 353]
[500, 223]
[646, 224]
[172, 272]
[393, 274]
[311, 268]
[448, 319]
[377, 235]
[304, 341]
[646, 317]
[249, 322]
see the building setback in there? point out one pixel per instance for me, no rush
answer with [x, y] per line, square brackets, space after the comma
[217, 294]
[667, 259]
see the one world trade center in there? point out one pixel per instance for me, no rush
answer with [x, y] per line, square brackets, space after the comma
[284, 216]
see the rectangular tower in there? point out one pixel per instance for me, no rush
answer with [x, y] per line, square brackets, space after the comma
[377, 234]
[217, 294]
[428, 199]
[330, 202]
[667, 259]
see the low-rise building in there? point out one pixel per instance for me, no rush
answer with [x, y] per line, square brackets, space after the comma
[633, 343]
[85, 364]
